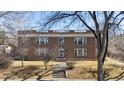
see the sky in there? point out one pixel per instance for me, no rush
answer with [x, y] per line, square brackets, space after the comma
[35, 19]
[38, 18]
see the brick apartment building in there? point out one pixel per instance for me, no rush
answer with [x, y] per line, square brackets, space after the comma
[69, 45]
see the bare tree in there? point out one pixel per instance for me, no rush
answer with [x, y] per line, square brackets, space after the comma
[4, 61]
[47, 56]
[46, 59]
[92, 21]
[116, 49]
[23, 46]
[14, 22]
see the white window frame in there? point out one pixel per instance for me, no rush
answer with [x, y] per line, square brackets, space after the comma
[61, 52]
[83, 40]
[84, 52]
[41, 51]
[39, 40]
[61, 41]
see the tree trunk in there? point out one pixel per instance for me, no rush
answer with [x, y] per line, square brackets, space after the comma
[100, 70]
[99, 58]
[22, 61]
[102, 50]
[22, 64]
[45, 66]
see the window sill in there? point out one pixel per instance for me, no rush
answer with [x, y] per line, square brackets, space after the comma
[81, 56]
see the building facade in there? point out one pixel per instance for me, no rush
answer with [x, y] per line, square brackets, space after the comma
[69, 45]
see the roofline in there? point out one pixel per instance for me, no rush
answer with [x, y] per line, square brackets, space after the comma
[57, 35]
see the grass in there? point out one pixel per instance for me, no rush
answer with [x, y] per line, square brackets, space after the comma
[87, 70]
[31, 70]
[28, 63]
[83, 70]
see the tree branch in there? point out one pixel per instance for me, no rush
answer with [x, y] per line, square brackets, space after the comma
[2, 14]
[86, 25]
[71, 22]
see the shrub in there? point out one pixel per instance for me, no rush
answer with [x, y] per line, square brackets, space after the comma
[5, 61]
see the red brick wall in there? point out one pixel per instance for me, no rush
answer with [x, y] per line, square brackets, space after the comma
[53, 47]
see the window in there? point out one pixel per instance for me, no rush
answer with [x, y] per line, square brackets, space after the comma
[42, 40]
[61, 52]
[80, 52]
[41, 51]
[80, 40]
[61, 40]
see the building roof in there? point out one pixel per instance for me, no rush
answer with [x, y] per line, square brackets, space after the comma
[52, 33]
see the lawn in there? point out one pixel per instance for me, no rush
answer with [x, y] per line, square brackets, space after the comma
[113, 70]
[83, 70]
[32, 70]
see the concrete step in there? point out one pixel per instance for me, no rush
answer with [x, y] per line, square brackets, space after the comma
[59, 74]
